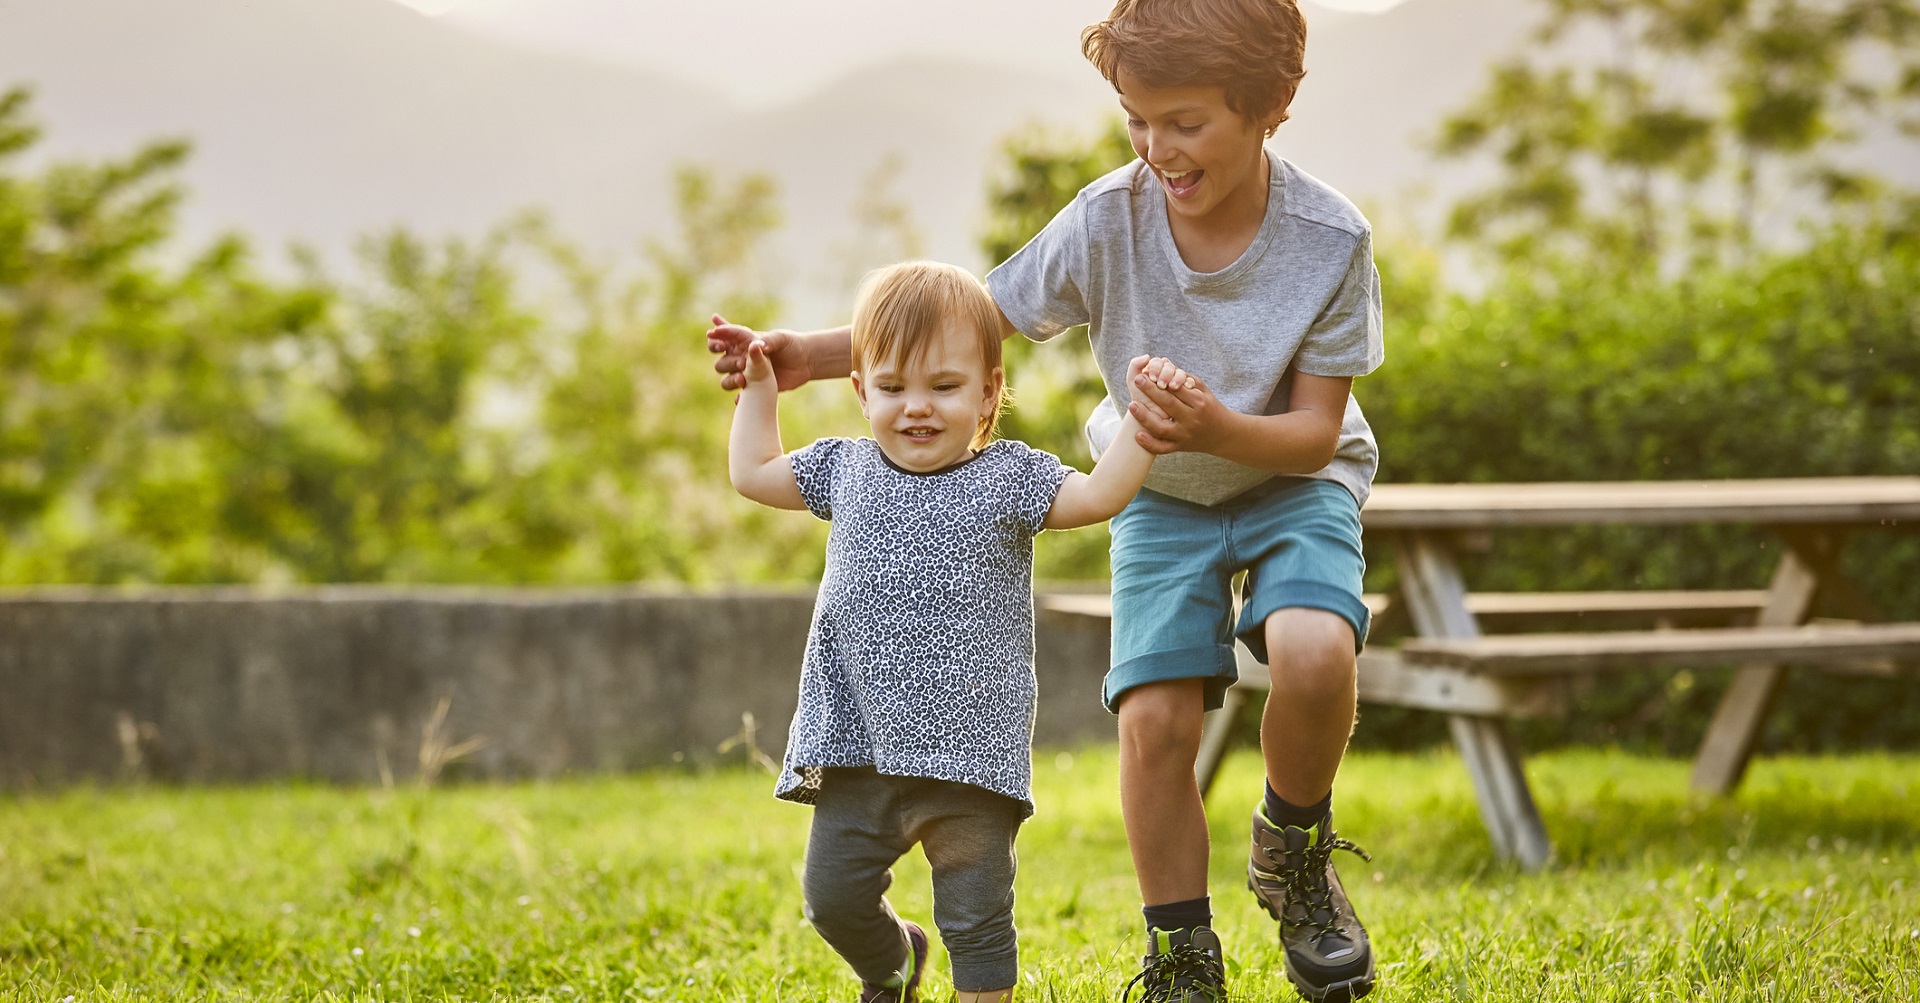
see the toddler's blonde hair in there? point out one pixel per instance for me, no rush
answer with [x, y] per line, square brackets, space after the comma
[902, 307]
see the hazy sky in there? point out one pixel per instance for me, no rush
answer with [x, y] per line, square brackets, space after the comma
[761, 52]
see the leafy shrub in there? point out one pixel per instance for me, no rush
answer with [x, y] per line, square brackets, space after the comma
[1792, 364]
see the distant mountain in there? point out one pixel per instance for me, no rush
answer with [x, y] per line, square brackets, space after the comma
[319, 119]
[323, 119]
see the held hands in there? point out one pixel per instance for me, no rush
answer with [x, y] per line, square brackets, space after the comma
[786, 363]
[1175, 409]
[758, 367]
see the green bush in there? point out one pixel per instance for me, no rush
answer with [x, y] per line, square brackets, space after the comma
[1792, 364]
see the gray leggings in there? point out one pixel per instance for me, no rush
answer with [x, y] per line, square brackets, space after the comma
[864, 821]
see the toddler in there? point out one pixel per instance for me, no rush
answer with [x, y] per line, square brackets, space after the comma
[915, 718]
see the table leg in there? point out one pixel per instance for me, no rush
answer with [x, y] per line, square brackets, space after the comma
[1218, 732]
[1436, 597]
[1500, 786]
[1735, 730]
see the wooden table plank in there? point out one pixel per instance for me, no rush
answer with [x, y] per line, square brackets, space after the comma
[1782, 501]
[1624, 602]
[1548, 654]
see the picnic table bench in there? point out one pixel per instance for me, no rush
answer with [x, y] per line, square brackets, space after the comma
[1451, 665]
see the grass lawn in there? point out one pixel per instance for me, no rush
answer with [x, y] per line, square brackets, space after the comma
[683, 886]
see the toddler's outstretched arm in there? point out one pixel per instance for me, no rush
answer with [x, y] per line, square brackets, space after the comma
[1085, 499]
[756, 464]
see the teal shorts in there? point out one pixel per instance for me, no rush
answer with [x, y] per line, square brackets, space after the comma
[1173, 567]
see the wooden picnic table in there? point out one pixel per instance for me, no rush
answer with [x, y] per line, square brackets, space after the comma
[1812, 516]
[1480, 682]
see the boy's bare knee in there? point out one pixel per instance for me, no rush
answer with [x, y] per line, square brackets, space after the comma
[1161, 721]
[1310, 654]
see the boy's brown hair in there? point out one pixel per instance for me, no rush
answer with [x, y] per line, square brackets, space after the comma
[901, 309]
[1255, 50]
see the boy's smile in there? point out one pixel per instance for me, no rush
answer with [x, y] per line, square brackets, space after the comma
[1209, 159]
[926, 412]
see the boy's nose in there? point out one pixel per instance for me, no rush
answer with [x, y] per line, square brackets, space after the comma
[1160, 151]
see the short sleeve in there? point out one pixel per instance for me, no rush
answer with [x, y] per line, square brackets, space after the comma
[1042, 288]
[1346, 339]
[814, 467]
[1036, 480]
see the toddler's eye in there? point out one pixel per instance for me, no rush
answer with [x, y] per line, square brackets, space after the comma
[947, 388]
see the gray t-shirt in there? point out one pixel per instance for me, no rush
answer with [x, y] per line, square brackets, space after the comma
[1303, 296]
[920, 660]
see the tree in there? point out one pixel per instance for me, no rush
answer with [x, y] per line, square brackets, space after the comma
[491, 410]
[1704, 113]
[113, 368]
[636, 432]
[883, 232]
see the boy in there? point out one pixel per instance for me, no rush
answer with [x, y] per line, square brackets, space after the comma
[1259, 280]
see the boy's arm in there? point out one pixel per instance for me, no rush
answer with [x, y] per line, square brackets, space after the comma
[757, 466]
[1185, 415]
[797, 357]
[1085, 499]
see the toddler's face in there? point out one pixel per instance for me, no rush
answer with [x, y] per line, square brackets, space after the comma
[925, 413]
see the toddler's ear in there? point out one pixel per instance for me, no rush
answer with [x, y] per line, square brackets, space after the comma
[859, 390]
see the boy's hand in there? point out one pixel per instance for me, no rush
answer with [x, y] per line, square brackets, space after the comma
[1176, 410]
[1151, 368]
[730, 341]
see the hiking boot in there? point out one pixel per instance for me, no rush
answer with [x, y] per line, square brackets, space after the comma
[1181, 966]
[910, 992]
[1291, 873]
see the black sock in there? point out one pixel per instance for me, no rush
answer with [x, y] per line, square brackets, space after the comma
[1280, 811]
[1180, 915]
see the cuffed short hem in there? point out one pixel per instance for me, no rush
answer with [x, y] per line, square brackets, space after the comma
[986, 974]
[1213, 663]
[1299, 594]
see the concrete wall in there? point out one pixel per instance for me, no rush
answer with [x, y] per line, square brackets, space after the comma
[329, 683]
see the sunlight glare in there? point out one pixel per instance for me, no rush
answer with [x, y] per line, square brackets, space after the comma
[432, 8]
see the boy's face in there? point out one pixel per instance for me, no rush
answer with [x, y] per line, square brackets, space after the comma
[1208, 158]
[925, 413]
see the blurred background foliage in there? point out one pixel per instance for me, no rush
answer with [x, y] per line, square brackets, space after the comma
[1615, 303]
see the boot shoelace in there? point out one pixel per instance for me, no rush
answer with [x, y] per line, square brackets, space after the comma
[1308, 883]
[1164, 968]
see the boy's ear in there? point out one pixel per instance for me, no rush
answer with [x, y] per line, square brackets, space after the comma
[859, 390]
[1270, 122]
